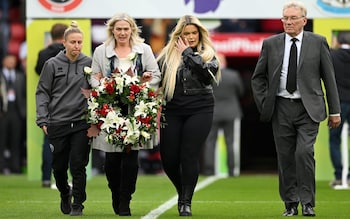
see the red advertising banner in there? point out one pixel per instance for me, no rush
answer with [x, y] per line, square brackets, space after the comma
[239, 44]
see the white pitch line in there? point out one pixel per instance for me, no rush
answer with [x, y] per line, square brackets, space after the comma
[155, 213]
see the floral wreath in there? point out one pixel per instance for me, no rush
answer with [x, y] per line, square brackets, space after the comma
[105, 105]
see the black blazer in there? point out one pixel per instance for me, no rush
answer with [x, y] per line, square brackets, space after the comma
[20, 90]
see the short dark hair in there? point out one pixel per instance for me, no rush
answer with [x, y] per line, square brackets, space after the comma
[343, 37]
[57, 31]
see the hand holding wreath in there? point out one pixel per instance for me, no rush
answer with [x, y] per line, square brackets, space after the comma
[105, 110]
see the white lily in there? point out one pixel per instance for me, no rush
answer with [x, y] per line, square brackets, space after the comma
[141, 109]
[110, 121]
[146, 135]
[92, 105]
[93, 117]
[132, 134]
[131, 80]
[119, 84]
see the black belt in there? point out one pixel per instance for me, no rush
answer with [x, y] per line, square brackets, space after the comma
[294, 100]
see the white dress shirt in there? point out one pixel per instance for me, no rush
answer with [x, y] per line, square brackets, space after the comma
[283, 79]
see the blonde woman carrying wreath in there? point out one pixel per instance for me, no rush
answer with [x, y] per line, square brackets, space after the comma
[124, 54]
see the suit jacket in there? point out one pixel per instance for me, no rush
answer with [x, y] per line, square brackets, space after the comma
[3, 94]
[20, 90]
[315, 64]
[227, 94]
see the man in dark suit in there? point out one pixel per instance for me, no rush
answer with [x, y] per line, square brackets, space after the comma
[296, 109]
[226, 110]
[13, 115]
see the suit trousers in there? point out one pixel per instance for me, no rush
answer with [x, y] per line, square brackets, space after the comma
[209, 152]
[11, 134]
[295, 135]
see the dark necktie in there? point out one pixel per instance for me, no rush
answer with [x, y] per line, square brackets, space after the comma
[10, 79]
[292, 68]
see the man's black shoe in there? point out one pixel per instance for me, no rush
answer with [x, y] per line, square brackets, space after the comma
[185, 210]
[290, 211]
[77, 210]
[66, 202]
[308, 210]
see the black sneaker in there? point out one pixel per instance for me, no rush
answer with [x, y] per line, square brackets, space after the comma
[66, 202]
[77, 210]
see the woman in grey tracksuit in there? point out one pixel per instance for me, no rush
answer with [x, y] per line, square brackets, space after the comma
[60, 110]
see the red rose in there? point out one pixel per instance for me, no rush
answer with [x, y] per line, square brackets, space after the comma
[105, 109]
[110, 88]
[135, 88]
[145, 120]
[94, 93]
[151, 93]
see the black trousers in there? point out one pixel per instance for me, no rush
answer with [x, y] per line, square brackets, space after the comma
[181, 142]
[71, 149]
[121, 172]
[11, 135]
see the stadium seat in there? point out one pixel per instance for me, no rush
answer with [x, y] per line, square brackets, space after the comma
[17, 31]
[271, 26]
[13, 47]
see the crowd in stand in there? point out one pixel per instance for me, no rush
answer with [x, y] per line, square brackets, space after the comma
[13, 88]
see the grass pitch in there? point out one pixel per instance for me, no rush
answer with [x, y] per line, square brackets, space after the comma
[246, 196]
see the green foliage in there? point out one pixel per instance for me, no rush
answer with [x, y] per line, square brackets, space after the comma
[247, 196]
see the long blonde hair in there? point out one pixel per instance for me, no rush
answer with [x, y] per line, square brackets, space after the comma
[135, 30]
[171, 59]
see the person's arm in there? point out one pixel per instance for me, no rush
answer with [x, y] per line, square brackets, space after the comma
[3, 99]
[97, 62]
[259, 80]
[328, 77]
[40, 63]
[43, 94]
[205, 71]
[151, 69]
